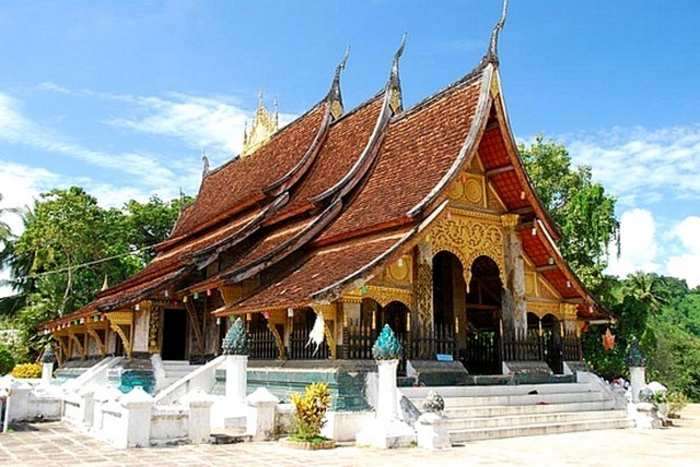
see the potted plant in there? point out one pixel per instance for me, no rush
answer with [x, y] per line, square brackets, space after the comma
[309, 418]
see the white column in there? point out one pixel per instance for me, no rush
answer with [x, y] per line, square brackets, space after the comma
[387, 409]
[236, 379]
[199, 425]
[46, 372]
[261, 418]
[138, 405]
[432, 431]
[637, 381]
[386, 430]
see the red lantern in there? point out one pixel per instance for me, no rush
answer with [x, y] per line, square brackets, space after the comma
[608, 340]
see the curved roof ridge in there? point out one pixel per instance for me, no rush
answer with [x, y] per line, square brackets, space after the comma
[335, 194]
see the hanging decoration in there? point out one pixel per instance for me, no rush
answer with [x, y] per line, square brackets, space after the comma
[608, 340]
[317, 334]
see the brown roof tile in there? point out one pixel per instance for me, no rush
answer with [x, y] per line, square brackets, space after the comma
[320, 270]
[226, 187]
[418, 149]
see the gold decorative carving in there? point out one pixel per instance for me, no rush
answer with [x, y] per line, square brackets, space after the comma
[473, 190]
[264, 126]
[530, 284]
[154, 330]
[568, 312]
[125, 340]
[92, 332]
[543, 308]
[468, 237]
[330, 339]
[81, 348]
[468, 188]
[509, 220]
[118, 319]
[386, 295]
[424, 294]
[400, 271]
[495, 87]
[281, 350]
[545, 290]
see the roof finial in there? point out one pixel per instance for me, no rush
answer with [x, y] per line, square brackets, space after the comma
[205, 163]
[492, 54]
[276, 110]
[261, 102]
[335, 98]
[394, 84]
[105, 284]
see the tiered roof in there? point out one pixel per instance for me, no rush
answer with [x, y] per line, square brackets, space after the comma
[331, 198]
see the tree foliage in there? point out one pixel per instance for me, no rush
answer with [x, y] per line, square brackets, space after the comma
[664, 315]
[58, 263]
[581, 208]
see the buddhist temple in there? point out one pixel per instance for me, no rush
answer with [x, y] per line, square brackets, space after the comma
[345, 220]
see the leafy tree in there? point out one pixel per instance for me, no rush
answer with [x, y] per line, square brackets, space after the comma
[151, 222]
[69, 245]
[664, 315]
[583, 210]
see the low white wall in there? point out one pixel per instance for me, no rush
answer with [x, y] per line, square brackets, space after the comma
[113, 425]
[343, 426]
[72, 411]
[340, 425]
[169, 424]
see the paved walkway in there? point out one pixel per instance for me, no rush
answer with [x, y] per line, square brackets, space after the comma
[57, 444]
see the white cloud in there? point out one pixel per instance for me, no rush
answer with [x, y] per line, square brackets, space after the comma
[687, 264]
[215, 124]
[641, 165]
[19, 186]
[638, 249]
[200, 122]
[678, 255]
[16, 128]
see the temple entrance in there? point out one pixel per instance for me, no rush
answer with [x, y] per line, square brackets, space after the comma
[174, 335]
[449, 294]
[484, 329]
[551, 334]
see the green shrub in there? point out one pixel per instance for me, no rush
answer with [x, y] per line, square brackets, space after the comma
[310, 413]
[676, 403]
[7, 363]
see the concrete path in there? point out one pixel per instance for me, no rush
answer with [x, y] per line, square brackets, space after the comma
[57, 444]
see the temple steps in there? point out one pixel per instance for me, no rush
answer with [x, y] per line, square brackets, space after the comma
[605, 423]
[175, 370]
[489, 412]
[497, 390]
[470, 423]
[502, 410]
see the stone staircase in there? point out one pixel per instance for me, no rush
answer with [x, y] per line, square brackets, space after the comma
[175, 370]
[505, 411]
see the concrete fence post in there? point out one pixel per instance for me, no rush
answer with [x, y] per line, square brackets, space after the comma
[138, 407]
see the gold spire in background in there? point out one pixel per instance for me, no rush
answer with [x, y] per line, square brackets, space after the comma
[264, 126]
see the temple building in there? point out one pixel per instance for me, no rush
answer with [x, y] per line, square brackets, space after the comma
[345, 220]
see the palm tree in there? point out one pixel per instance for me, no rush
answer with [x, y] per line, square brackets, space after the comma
[18, 264]
[5, 231]
[647, 289]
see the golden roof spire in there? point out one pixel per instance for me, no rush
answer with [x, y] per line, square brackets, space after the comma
[264, 126]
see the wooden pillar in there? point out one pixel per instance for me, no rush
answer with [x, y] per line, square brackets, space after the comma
[423, 288]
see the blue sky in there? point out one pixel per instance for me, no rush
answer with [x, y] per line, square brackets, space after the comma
[122, 97]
